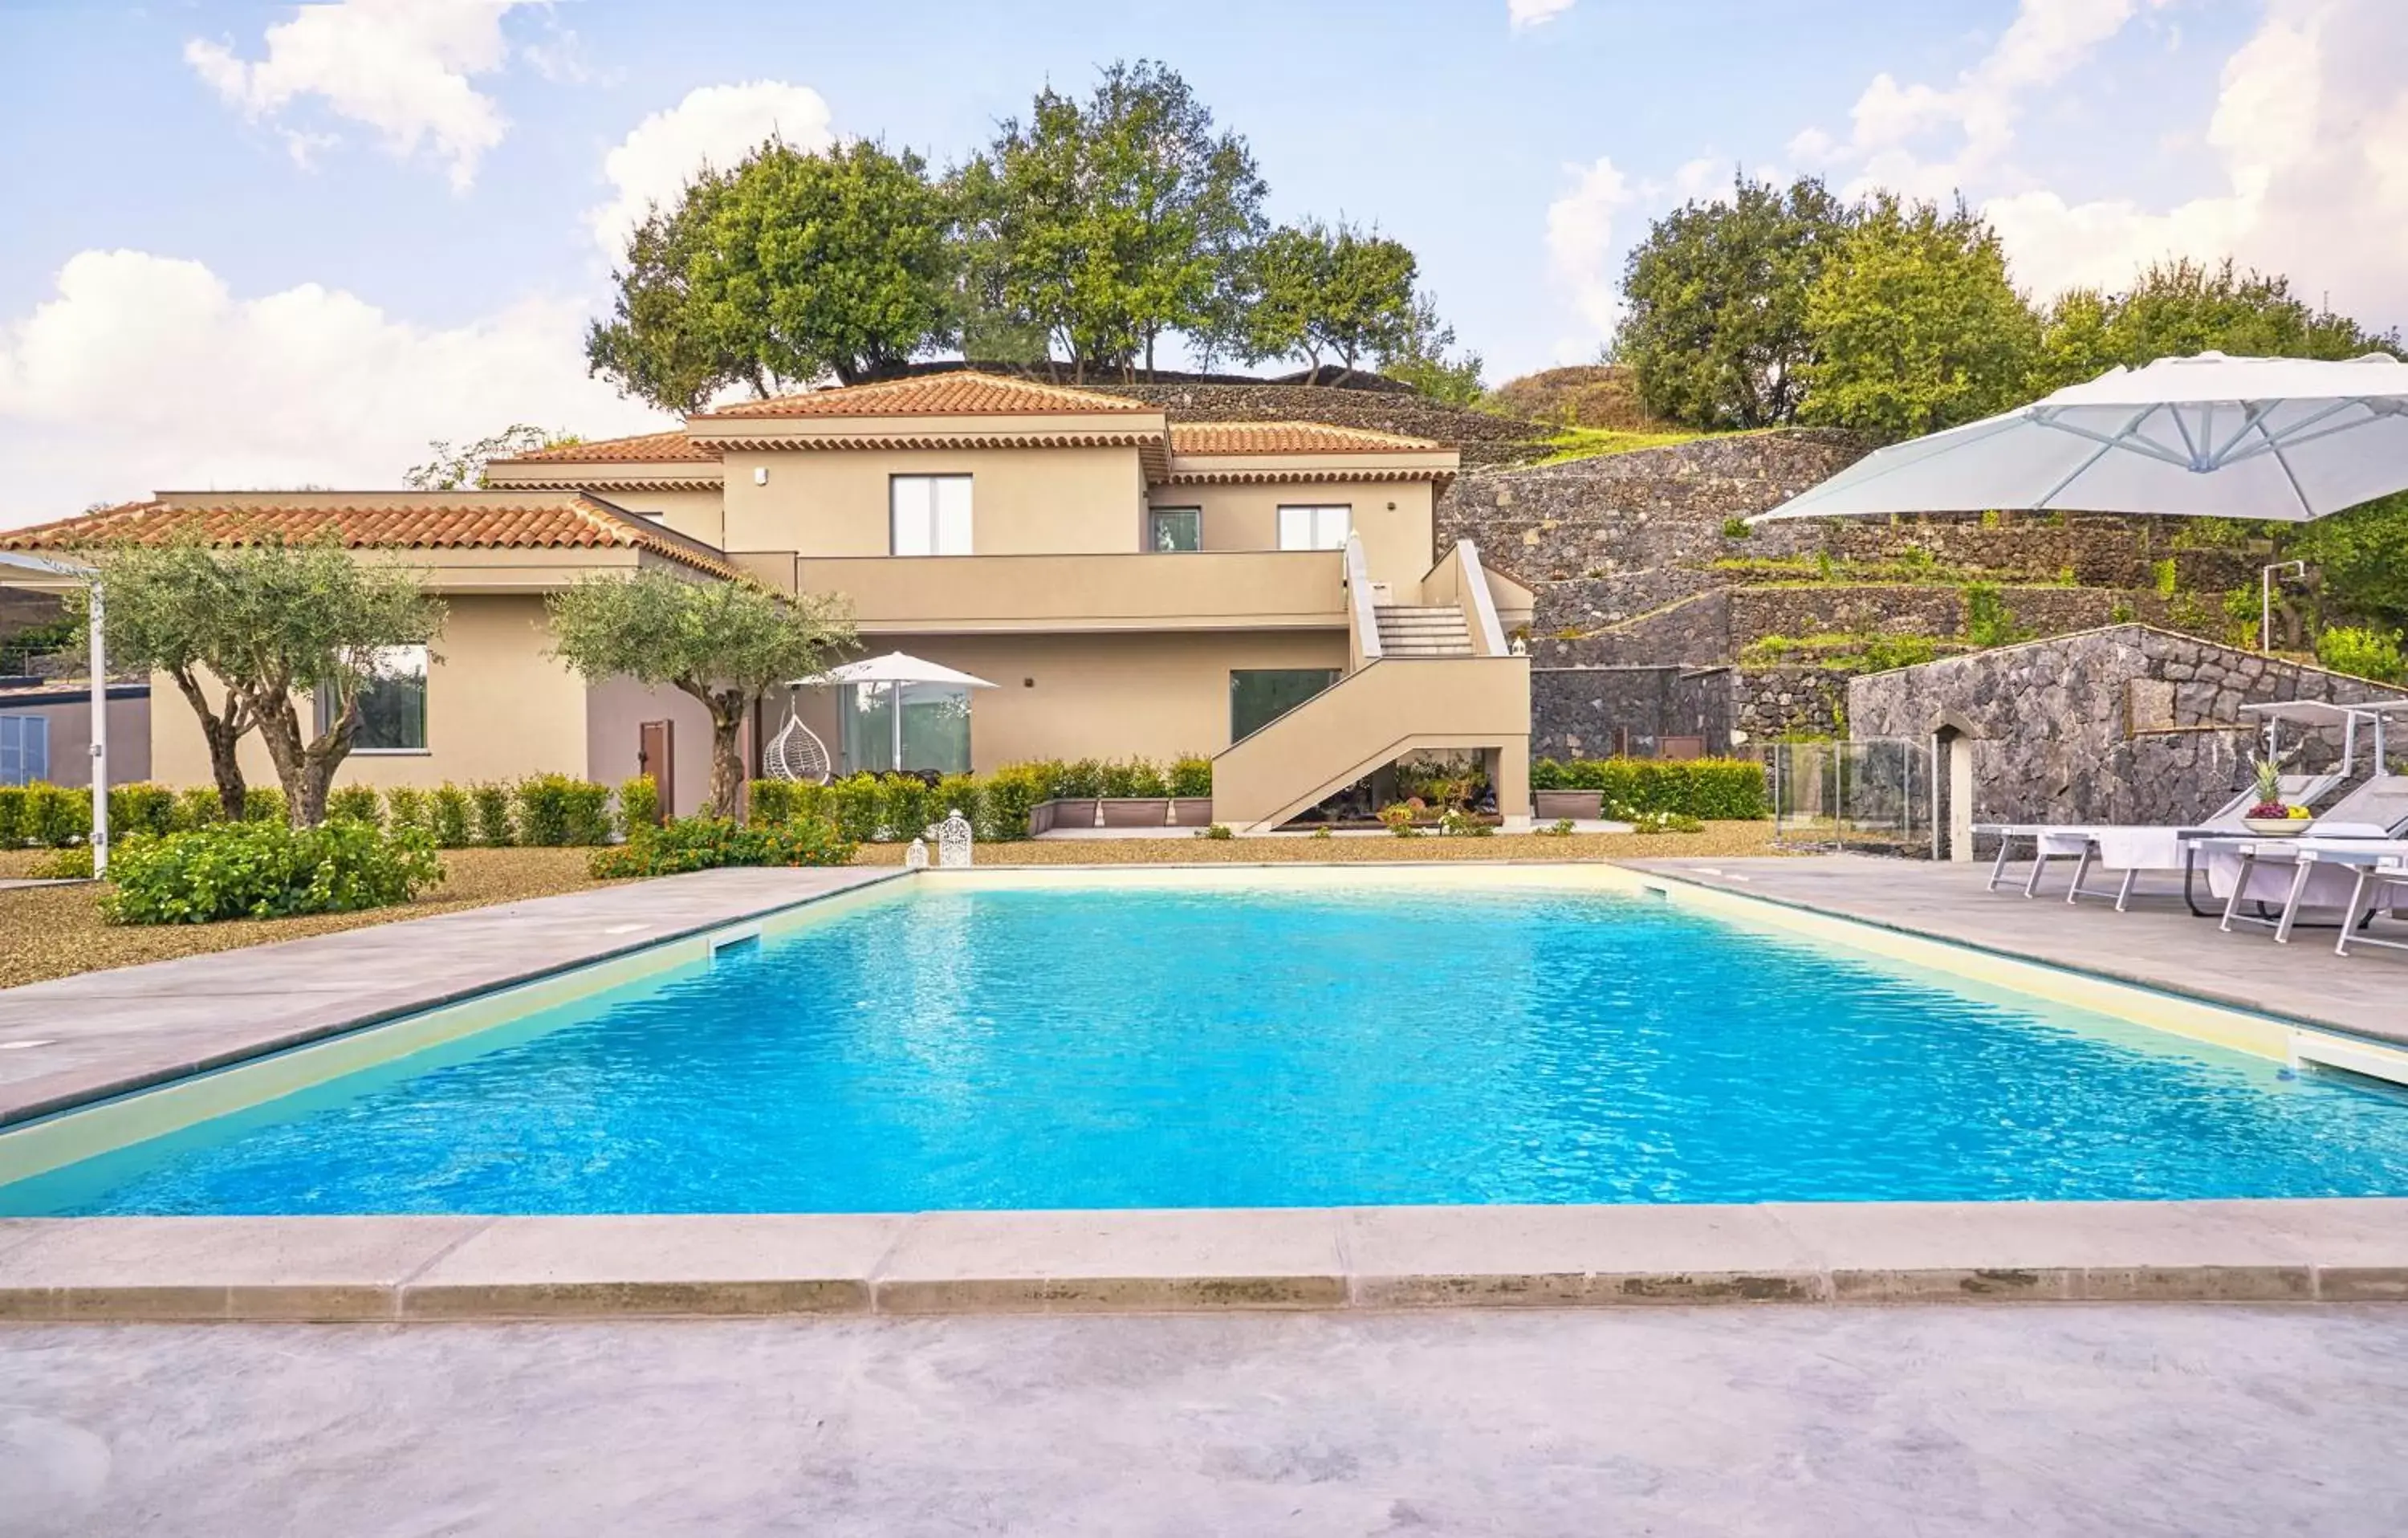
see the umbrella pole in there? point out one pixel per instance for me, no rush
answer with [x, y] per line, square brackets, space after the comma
[895, 700]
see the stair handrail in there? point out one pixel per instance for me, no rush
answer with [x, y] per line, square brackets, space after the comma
[1483, 603]
[1358, 593]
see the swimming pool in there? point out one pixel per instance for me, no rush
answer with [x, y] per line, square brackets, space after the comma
[1227, 1042]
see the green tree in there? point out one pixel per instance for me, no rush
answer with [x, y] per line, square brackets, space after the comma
[1914, 325]
[786, 269]
[1339, 293]
[2176, 309]
[1105, 224]
[1419, 358]
[451, 468]
[273, 623]
[163, 605]
[724, 643]
[1716, 335]
[2361, 555]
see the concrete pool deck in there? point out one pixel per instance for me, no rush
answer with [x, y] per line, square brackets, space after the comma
[105, 1033]
[2158, 944]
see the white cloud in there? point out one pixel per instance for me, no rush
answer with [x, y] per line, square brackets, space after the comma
[145, 373]
[1582, 250]
[715, 126]
[2309, 133]
[401, 67]
[1522, 15]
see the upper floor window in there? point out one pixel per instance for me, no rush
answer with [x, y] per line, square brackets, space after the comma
[393, 703]
[1315, 528]
[1175, 528]
[930, 514]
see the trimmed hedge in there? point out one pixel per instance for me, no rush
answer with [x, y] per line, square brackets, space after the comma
[895, 808]
[706, 843]
[1714, 789]
[265, 871]
[47, 817]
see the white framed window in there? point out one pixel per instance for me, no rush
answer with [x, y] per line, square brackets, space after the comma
[1174, 529]
[929, 514]
[1315, 527]
[393, 703]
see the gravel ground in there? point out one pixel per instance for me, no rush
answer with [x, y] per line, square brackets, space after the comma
[1718, 839]
[56, 931]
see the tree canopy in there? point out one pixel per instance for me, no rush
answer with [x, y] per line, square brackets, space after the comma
[2182, 307]
[270, 623]
[1340, 292]
[724, 644]
[785, 269]
[450, 469]
[1916, 327]
[1716, 334]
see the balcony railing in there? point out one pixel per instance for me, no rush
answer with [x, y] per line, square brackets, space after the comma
[1197, 590]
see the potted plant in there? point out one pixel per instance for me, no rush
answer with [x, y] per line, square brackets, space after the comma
[2271, 817]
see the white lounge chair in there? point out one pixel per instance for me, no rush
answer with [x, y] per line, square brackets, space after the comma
[2317, 870]
[2383, 884]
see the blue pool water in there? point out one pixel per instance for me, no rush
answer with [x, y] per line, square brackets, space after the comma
[1197, 1047]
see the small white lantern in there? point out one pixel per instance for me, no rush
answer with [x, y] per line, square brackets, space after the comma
[916, 857]
[953, 841]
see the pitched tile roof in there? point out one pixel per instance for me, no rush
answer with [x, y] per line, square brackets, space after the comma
[641, 447]
[1287, 438]
[960, 393]
[378, 521]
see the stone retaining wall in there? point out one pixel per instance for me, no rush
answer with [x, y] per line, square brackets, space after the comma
[1593, 712]
[2125, 723]
[1482, 438]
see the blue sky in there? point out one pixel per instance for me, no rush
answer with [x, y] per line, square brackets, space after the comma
[265, 245]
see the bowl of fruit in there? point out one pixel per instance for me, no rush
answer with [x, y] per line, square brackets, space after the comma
[2272, 818]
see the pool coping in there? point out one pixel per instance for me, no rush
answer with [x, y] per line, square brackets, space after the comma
[353, 1269]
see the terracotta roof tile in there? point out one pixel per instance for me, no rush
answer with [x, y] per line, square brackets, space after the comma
[434, 521]
[643, 447]
[962, 394]
[1287, 438]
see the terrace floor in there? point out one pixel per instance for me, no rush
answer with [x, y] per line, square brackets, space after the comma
[2198, 1420]
[2158, 943]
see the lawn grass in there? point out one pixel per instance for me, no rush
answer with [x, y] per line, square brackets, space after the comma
[56, 931]
[1571, 443]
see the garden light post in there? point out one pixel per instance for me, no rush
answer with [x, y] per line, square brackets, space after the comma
[2265, 598]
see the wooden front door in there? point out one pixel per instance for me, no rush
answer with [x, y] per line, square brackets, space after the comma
[656, 756]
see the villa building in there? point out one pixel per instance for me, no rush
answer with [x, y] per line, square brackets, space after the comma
[1268, 594]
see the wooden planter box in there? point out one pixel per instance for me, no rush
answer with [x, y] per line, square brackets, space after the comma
[1073, 813]
[1191, 811]
[1137, 811]
[1578, 805]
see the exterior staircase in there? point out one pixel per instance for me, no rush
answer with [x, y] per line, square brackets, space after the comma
[1422, 630]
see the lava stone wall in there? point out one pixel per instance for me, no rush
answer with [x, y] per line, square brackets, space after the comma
[2126, 723]
[1588, 713]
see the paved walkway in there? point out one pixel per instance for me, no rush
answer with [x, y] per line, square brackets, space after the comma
[2158, 943]
[105, 1032]
[2197, 1421]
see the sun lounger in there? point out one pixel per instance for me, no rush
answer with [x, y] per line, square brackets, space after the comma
[2131, 848]
[2311, 870]
[2382, 884]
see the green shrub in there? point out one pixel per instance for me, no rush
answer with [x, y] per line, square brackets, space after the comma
[63, 864]
[956, 793]
[489, 810]
[1988, 621]
[1654, 822]
[1223, 830]
[1737, 529]
[1884, 652]
[1133, 778]
[1080, 781]
[140, 809]
[1456, 823]
[855, 805]
[1561, 828]
[449, 811]
[405, 806]
[355, 804]
[556, 810]
[1006, 796]
[2363, 652]
[2165, 576]
[12, 817]
[705, 844]
[1191, 775]
[1399, 818]
[1719, 789]
[906, 806]
[55, 816]
[265, 870]
[198, 806]
[264, 804]
[769, 801]
[639, 804]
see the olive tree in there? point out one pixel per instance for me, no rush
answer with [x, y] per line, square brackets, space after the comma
[725, 644]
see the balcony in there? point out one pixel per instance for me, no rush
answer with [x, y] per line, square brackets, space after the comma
[1200, 590]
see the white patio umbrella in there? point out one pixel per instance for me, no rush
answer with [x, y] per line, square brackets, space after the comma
[2284, 439]
[893, 672]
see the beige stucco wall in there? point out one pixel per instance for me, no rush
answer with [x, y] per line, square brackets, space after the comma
[496, 709]
[696, 514]
[1151, 696]
[615, 714]
[1393, 518]
[70, 735]
[1023, 501]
